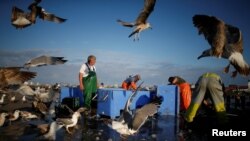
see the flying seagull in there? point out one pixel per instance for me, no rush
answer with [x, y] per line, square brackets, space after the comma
[129, 124]
[44, 60]
[141, 22]
[14, 75]
[21, 19]
[226, 41]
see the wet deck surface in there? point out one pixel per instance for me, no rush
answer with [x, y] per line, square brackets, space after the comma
[161, 128]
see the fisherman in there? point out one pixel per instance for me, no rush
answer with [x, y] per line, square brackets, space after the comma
[130, 82]
[208, 85]
[88, 81]
[185, 91]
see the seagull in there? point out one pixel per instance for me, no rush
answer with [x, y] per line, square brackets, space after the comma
[14, 75]
[44, 95]
[226, 41]
[24, 99]
[13, 99]
[129, 124]
[51, 134]
[44, 60]
[2, 99]
[27, 115]
[26, 90]
[14, 116]
[2, 118]
[140, 23]
[40, 106]
[21, 19]
[71, 122]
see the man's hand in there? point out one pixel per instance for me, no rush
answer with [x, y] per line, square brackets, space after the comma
[81, 87]
[80, 81]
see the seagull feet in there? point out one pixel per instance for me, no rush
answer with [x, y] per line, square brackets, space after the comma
[136, 37]
[226, 69]
[234, 74]
[217, 53]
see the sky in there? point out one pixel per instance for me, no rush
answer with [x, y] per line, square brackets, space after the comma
[170, 48]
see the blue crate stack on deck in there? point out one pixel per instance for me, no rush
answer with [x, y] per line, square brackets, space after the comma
[116, 99]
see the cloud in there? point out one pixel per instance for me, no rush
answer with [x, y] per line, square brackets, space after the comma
[112, 68]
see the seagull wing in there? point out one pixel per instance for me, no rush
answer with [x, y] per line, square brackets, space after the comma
[51, 17]
[213, 30]
[142, 114]
[34, 12]
[13, 75]
[234, 37]
[16, 12]
[56, 60]
[146, 11]
[19, 19]
[127, 24]
[44, 60]
[235, 44]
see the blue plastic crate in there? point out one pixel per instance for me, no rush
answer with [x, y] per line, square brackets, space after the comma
[170, 103]
[111, 101]
[71, 92]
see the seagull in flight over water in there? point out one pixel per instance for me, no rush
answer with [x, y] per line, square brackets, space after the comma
[226, 41]
[141, 22]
